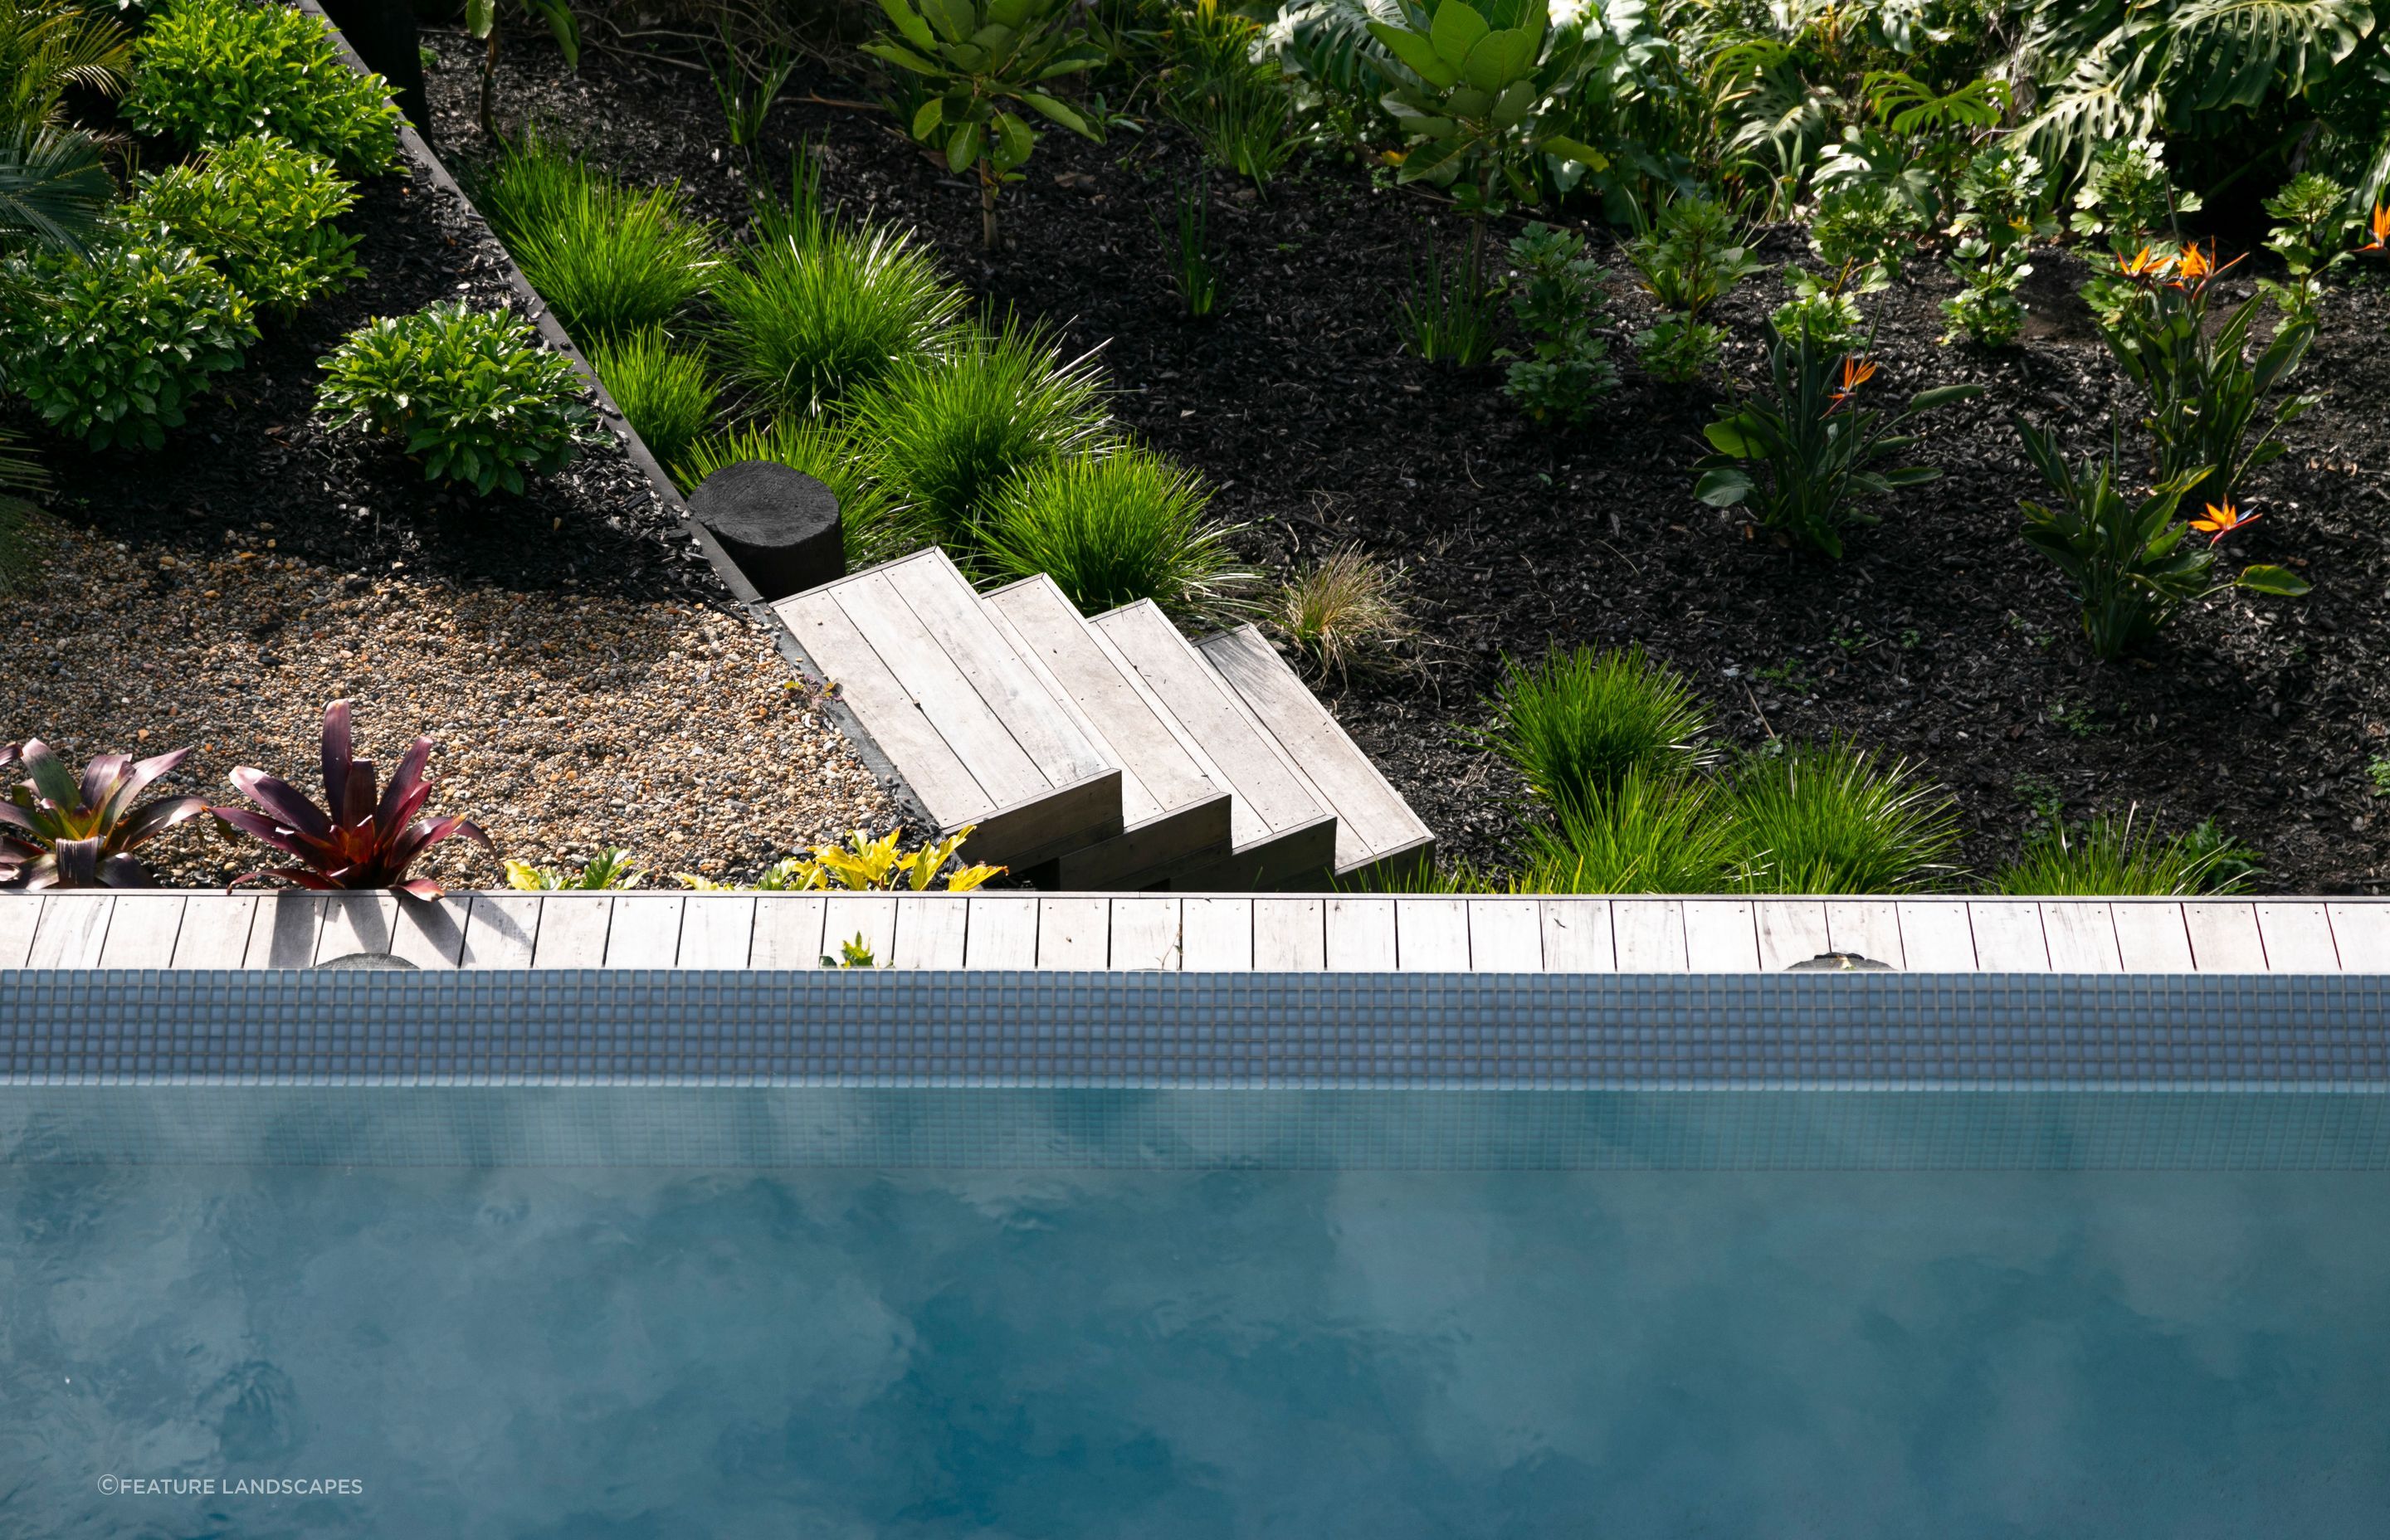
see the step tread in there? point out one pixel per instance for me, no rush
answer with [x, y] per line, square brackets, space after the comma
[1271, 796]
[1372, 820]
[959, 713]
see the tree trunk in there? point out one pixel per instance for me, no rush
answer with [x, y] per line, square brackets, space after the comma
[988, 187]
[490, 82]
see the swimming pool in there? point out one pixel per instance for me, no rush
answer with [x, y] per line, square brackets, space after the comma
[1744, 1304]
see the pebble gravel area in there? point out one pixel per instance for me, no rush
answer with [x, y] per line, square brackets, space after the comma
[563, 723]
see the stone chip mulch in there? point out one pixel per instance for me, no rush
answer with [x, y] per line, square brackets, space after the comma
[564, 722]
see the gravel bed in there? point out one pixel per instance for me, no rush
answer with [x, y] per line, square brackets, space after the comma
[565, 722]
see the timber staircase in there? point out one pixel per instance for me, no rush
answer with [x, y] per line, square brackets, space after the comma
[1104, 753]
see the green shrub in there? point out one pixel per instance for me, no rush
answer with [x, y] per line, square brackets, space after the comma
[1652, 833]
[110, 350]
[1578, 723]
[2110, 855]
[1556, 292]
[206, 71]
[947, 434]
[471, 392]
[1115, 528]
[874, 527]
[665, 395]
[263, 212]
[609, 259]
[817, 311]
[1678, 350]
[1826, 819]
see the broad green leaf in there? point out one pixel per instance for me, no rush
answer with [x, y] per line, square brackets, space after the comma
[926, 122]
[1512, 108]
[2264, 578]
[1456, 29]
[1418, 53]
[1497, 60]
[953, 19]
[969, 59]
[1057, 112]
[1466, 101]
[480, 15]
[962, 150]
[1912, 475]
[1574, 149]
[1732, 436]
[903, 57]
[1013, 143]
[1723, 488]
[908, 21]
[1942, 395]
[1013, 14]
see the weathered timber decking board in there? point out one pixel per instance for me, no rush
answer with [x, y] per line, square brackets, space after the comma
[1229, 932]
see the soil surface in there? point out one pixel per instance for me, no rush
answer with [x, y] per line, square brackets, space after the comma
[587, 679]
[1939, 636]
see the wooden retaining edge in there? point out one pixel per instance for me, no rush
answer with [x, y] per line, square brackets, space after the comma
[429, 169]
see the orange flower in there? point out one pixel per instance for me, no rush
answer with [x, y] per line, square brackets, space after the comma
[2144, 263]
[2195, 264]
[2380, 229]
[1856, 372]
[2221, 521]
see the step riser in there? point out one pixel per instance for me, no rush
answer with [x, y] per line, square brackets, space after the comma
[1294, 862]
[1153, 852]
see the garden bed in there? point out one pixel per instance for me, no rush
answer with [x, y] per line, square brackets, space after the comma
[587, 678]
[1940, 636]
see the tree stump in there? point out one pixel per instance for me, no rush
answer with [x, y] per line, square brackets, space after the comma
[779, 525]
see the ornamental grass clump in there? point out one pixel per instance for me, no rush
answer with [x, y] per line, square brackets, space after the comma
[59, 829]
[1654, 831]
[1345, 612]
[874, 526]
[1577, 725]
[264, 210]
[2111, 855]
[471, 392]
[1829, 818]
[817, 310]
[609, 259]
[111, 348]
[665, 394]
[1113, 528]
[207, 72]
[947, 434]
[364, 836]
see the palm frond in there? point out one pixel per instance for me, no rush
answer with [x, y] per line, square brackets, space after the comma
[53, 188]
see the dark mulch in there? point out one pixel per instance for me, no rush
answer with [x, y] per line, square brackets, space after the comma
[1939, 637]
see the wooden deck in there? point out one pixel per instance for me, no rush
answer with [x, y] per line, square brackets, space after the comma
[1225, 933]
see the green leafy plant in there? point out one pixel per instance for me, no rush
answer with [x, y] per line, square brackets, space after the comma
[1234, 104]
[1986, 311]
[947, 434]
[2131, 564]
[59, 829]
[2206, 393]
[482, 24]
[2005, 200]
[1444, 316]
[364, 836]
[1824, 319]
[1802, 451]
[2111, 856]
[210, 70]
[1692, 256]
[55, 191]
[1556, 294]
[264, 211]
[609, 259]
[747, 87]
[110, 350]
[874, 527]
[2311, 239]
[815, 310]
[609, 870]
[1345, 612]
[986, 59]
[1113, 528]
[866, 865]
[2377, 771]
[1479, 88]
[1677, 349]
[855, 952]
[1188, 245]
[1830, 818]
[2129, 198]
[1651, 833]
[1575, 725]
[50, 49]
[471, 392]
[665, 394]
[1866, 225]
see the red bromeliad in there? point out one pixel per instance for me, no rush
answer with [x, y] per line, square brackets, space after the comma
[58, 830]
[357, 840]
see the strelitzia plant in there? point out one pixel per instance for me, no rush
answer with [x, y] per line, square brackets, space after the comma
[59, 829]
[358, 840]
[1812, 449]
[865, 864]
[987, 59]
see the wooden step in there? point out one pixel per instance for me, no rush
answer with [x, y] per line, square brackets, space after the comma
[962, 717]
[1174, 815]
[1378, 836]
[1281, 834]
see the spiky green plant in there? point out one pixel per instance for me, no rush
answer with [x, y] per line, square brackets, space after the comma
[817, 311]
[609, 259]
[947, 434]
[1115, 528]
[1577, 724]
[665, 393]
[1651, 833]
[2111, 855]
[1346, 611]
[1832, 818]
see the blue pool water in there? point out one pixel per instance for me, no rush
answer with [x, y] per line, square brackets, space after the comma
[600, 1353]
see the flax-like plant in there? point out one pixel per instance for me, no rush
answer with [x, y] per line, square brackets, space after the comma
[947, 434]
[1188, 245]
[1802, 451]
[1653, 832]
[1830, 818]
[1576, 725]
[364, 838]
[2112, 856]
[59, 829]
[1345, 612]
[665, 392]
[874, 526]
[1113, 528]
